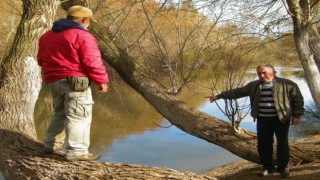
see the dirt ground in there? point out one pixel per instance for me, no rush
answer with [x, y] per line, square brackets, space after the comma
[245, 170]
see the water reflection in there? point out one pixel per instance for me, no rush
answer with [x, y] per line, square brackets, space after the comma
[116, 115]
[126, 129]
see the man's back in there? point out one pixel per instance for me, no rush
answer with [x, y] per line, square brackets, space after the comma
[70, 51]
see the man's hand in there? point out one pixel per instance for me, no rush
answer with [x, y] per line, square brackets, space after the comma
[212, 98]
[295, 121]
[103, 88]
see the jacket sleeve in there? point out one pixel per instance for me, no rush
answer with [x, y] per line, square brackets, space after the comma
[297, 101]
[90, 56]
[236, 93]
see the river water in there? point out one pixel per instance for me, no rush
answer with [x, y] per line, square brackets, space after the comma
[127, 129]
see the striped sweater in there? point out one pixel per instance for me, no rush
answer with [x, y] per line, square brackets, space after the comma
[266, 102]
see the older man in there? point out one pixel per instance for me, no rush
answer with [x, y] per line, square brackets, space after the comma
[70, 59]
[274, 103]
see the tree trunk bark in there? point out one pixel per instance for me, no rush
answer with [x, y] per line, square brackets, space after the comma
[308, 62]
[304, 14]
[20, 80]
[25, 160]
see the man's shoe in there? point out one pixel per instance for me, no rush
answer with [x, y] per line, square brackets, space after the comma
[262, 173]
[265, 172]
[84, 157]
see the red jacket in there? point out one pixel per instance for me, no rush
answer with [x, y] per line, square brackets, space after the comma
[70, 50]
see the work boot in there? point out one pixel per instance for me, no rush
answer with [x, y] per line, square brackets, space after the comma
[84, 157]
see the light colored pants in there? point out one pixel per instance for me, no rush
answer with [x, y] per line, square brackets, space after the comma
[72, 113]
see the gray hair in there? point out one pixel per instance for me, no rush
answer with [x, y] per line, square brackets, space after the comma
[266, 65]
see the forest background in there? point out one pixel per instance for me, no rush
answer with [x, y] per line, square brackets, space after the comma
[179, 40]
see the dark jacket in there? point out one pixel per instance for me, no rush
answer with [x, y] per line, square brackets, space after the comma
[287, 97]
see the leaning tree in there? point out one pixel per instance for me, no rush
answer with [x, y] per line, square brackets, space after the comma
[304, 14]
[21, 156]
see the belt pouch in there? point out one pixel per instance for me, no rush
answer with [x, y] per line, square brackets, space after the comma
[78, 83]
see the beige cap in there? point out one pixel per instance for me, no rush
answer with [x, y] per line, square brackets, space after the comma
[80, 11]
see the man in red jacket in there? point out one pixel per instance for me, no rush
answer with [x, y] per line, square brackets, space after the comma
[70, 59]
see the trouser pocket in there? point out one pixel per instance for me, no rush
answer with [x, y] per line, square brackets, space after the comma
[79, 109]
[79, 118]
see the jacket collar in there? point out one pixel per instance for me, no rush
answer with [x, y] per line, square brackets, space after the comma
[64, 24]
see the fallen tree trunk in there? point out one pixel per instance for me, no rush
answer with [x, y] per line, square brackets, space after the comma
[21, 157]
